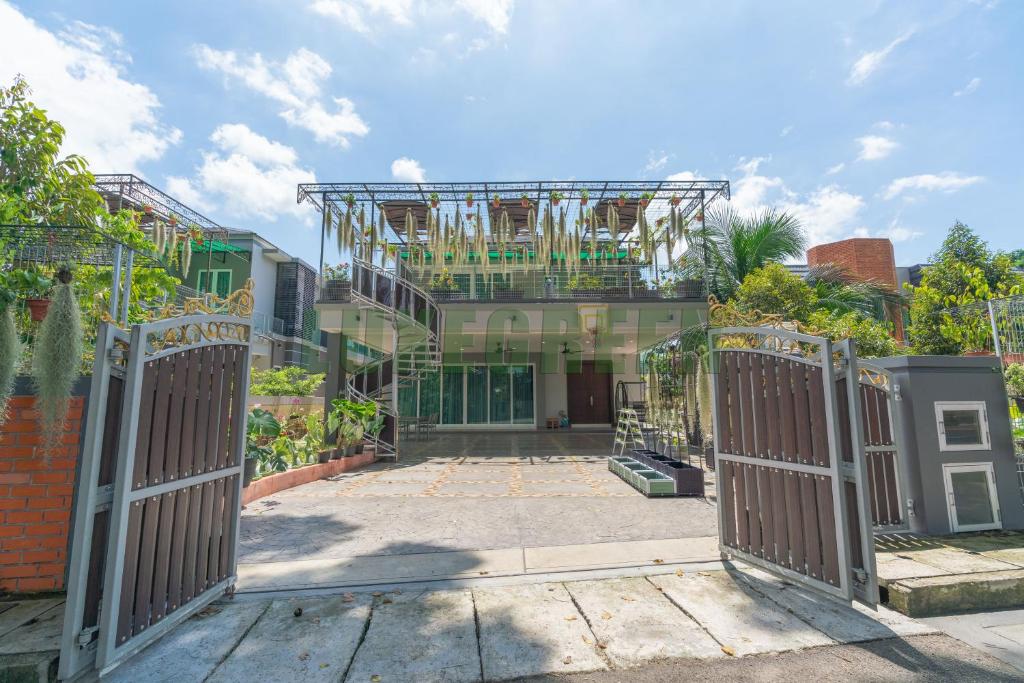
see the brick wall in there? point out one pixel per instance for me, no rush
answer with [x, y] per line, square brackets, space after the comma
[36, 495]
[864, 258]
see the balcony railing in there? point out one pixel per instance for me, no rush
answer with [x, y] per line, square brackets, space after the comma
[266, 325]
[603, 283]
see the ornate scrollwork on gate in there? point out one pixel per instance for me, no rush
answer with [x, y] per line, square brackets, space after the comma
[874, 377]
[196, 332]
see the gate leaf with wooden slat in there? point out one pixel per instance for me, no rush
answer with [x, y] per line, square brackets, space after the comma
[792, 482]
[157, 513]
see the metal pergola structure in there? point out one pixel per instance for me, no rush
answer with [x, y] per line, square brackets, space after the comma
[125, 190]
[692, 197]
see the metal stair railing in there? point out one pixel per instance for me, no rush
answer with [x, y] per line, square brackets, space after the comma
[416, 319]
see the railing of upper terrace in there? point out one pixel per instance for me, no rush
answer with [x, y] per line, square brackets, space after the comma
[601, 283]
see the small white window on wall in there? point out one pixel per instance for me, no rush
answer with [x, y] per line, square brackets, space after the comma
[962, 425]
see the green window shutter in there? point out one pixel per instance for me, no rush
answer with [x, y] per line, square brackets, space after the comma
[223, 283]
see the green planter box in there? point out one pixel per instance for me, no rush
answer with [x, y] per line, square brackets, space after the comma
[654, 483]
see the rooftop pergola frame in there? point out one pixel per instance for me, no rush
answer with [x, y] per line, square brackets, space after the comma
[694, 197]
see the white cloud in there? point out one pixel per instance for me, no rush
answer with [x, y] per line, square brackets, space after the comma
[184, 191]
[79, 77]
[785, 131]
[947, 182]
[894, 232]
[971, 86]
[408, 170]
[494, 13]
[874, 147]
[885, 125]
[359, 15]
[246, 176]
[832, 170]
[296, 85]
[869, 62]
[656, 161]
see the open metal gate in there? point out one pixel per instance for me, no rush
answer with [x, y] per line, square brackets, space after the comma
[157, 514]
[792, 482]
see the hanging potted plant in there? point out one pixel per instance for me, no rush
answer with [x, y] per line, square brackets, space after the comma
[555, 197]
[496, 201]
[621, 201]
[676, 199]
[147, 209]
[57, 359]
[349, 199]
[584, 197]
[10, 346]
[524, 200]
[646, 198]
[699, 216]
[469, 200]
[435, 199]
[35, 288]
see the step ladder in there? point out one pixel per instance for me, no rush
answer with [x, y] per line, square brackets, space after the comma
[628, 433]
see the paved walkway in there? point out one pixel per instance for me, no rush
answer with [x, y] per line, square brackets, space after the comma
[506, 632]
[466, 503]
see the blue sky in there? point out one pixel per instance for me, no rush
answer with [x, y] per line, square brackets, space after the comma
[871, 118]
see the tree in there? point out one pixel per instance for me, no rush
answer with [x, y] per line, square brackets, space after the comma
[732, 246]
[772, 289]
[840, 293]
[37, 185]
[963, 271]
[873, 338]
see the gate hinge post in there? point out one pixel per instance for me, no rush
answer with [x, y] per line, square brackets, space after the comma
[85, 636]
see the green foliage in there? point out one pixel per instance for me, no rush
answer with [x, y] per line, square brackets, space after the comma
[261, 430]
[873, 338]
[731, 246]
[1014, 376]
[56, 362]
[287, 381]
[773, 289]
[10, 351]
[962, 272]
[338, 272]
[30, 283]
[838, 293]
[350, 419]
[584, 281]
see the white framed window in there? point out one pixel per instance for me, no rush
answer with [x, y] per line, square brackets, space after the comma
[971, 497]
[962, 426]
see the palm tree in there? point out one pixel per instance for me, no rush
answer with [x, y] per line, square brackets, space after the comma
[837, 292]
[731, 246]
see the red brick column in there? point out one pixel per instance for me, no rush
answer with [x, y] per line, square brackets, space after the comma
[35, 499]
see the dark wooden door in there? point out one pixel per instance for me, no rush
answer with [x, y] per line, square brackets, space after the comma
[589, 394]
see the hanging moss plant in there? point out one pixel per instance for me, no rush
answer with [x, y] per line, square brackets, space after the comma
[10, 350]
[56, 360]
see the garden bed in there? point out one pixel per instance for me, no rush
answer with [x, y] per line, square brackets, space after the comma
[282, 481]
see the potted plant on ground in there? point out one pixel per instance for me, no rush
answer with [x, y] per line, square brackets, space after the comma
[35, 289]
[261, 429]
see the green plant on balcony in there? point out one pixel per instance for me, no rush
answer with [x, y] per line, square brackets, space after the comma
[621, 201]
[435, 199]
[287, 381]
[524, 199]
[584, 282]
[1014, 376]
[584, 197]
[555, 197]
[443, 282]
[349, 200]
[340, 272]
[646, 198]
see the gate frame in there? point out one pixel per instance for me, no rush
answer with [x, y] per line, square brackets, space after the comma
[892, 395]
[135, 349]
[838, 473]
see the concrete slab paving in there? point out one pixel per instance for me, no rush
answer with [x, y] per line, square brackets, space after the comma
[635, 623]
[317, 645]
[736, 616]
[193, 650]
[893, 568]
[957, 561]
[420, 637]
[14, 614]
[623, 553]
[39, 633]
[838, 620]
[532, 630]
[1000, 634]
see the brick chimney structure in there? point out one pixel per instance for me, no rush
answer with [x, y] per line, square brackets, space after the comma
[863, 258]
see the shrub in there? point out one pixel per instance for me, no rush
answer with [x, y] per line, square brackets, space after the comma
[773, 289]
[1014, 375]
[873, 338]
[288, 381]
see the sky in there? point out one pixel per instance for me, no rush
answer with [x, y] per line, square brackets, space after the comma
[874, 118]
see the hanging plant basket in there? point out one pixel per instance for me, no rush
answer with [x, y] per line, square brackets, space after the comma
[700, 216]
[37, 309]
[621, 201]
[496, 202]
[147, 209]
[676, 200]
[469, 201]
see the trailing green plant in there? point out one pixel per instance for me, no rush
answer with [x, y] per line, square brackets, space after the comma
[287, 381]
[10, 352]
[56, 359]
[1014, 376]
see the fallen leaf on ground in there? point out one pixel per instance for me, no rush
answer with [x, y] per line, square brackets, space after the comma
[628, 599]
[304, 656]
[567, 660]
[703, 573]
[680, 572]
[324, 665]
[484, 573]
[387, 601]
[728, 650]
[603, 646]
[348, 597]
[377, 594]
[586, 640]
[374, 678]
[659, 562]
[571, 617]
[606, 615]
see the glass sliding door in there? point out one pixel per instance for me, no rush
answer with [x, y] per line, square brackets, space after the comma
[500, 394]
[522, 394]
[451, 395]
[476, 394]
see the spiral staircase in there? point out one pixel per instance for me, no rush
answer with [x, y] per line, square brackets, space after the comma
[416, 349]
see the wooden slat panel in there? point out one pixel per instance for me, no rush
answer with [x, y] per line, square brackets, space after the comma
[745, 395]
[765, 507]
[724, 435]
[868, 396]
[132, 540]
[871, 460]
[158, 430]
[227, 538]
[771, 389]
[794, 522]
[725, 469]
[97, 565]
[216, 529]
[177, 557]
[177, 397]
[149, 382]
[801, 414]
[827, 527]
[188, 584]
[147, 563]
[753, 509]
[787, 413]
[816, 410]
[732, 366]
[843, 417]
[779, 516]
[216, 402]
[885, 426]
[189, 417]
[757, 396]
[163, 556]
[203, 540]
[111, 431]
[203, 420]
[853, 526]
[236, 420]
[892, 497]
[812, 535]
[227, 388]
[742, 517]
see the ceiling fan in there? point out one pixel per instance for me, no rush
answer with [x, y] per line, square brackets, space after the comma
[567, 350]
